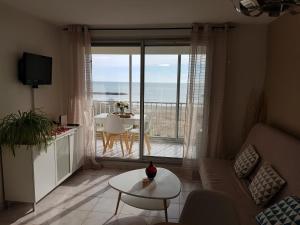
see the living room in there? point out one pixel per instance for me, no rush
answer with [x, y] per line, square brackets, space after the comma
[195, 79]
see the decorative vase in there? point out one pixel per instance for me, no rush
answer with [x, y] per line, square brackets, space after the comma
[122, 110]
[151, 171]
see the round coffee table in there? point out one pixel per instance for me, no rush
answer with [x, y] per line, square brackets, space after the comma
[154, 195]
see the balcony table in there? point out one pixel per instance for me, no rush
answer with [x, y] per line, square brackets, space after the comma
[133, 120]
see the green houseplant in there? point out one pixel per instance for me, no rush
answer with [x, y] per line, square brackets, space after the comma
[25, 128]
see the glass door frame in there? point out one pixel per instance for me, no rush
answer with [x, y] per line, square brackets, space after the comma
[143, 44]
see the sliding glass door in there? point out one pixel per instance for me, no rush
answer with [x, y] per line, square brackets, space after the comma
[164, 100]
[148, 78]
[116, 82]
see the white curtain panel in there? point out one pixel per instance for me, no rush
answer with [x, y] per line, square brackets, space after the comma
[206, 87]
[80, 102]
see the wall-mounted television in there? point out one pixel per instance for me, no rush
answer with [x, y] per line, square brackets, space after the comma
[35, 69]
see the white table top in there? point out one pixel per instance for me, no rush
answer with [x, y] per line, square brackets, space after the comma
[104, 115]
[133, 120]
[165, 185]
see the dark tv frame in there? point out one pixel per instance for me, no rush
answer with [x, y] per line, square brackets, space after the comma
[21, 71]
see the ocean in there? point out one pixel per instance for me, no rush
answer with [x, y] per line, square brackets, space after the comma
[154, 92]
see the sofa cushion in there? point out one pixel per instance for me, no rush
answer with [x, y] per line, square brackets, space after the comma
[282, 151]
[286, 211]
[265, 184]
[219, 175]
[246, 161]
[274, 146]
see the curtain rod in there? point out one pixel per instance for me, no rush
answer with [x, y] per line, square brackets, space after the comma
[158, 28]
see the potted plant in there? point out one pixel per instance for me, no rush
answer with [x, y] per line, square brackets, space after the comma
[25, 129]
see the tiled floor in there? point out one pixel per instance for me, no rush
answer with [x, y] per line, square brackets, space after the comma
[158, 148]
[86, 199]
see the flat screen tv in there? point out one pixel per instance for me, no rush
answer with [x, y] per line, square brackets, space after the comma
[35, 69]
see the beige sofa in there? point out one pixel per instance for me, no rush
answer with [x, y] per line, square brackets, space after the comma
[274, 146]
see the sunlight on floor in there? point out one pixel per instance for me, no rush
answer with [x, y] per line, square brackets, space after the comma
[87, 199]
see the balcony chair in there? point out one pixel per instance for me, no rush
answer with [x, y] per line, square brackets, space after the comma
[135, 132]
[114, 128]
[100, 134]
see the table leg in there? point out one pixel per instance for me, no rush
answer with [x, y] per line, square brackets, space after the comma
[119, 198]
[166, 209]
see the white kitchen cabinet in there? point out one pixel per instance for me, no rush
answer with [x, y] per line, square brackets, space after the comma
[63, 167]
[73, 155]
[44, 171]
[76, 152]
[32, 173]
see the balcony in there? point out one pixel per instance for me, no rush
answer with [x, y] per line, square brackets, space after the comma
[161, 80]
[166, 130]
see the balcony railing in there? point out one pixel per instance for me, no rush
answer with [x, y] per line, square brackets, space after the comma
[163, 116]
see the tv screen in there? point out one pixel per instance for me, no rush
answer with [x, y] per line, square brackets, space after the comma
[35, 69]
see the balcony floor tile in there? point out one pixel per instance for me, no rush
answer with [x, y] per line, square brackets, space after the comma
[158, 148]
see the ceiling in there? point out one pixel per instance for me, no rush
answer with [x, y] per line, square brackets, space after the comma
[133, 12]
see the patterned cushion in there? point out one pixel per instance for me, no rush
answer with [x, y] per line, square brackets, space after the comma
[265, 184]
[285, 212]
[246, 161]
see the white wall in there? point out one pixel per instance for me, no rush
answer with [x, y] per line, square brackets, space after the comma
[283, 74]
[246, 73]
[21, 32]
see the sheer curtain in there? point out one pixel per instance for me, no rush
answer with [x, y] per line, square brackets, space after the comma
[205, 97]
[80, 103]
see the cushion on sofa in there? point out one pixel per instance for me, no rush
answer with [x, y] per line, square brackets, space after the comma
[265, 185]
[286, 211]
[282, 151]
[272, 145]
[219, 175]
[246, 161]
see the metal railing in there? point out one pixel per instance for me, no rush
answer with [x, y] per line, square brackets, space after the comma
[162, 115]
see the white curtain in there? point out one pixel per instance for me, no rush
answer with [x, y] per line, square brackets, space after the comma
[206, 89]
[80, 103]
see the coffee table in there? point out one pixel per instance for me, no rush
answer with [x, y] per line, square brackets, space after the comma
[154, 195]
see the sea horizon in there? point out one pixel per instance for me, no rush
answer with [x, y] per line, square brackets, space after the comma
[154, 91]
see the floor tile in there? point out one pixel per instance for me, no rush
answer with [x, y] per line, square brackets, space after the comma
[67, 217]
[52, 200]
[107, 205]
[79, 203]
[110, 193]
[173, 212]
[40, 217]
[129, 210]
[128, 220]
[98, 218]
[87, 199]
[154, 220]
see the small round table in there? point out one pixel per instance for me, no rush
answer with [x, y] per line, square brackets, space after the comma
[152, 195]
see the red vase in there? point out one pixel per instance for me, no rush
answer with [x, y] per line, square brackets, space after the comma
[151, 171]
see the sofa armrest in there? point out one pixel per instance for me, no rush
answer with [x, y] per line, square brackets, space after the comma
[208, 207]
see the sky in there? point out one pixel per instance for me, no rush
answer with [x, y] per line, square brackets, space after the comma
[158, 68]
